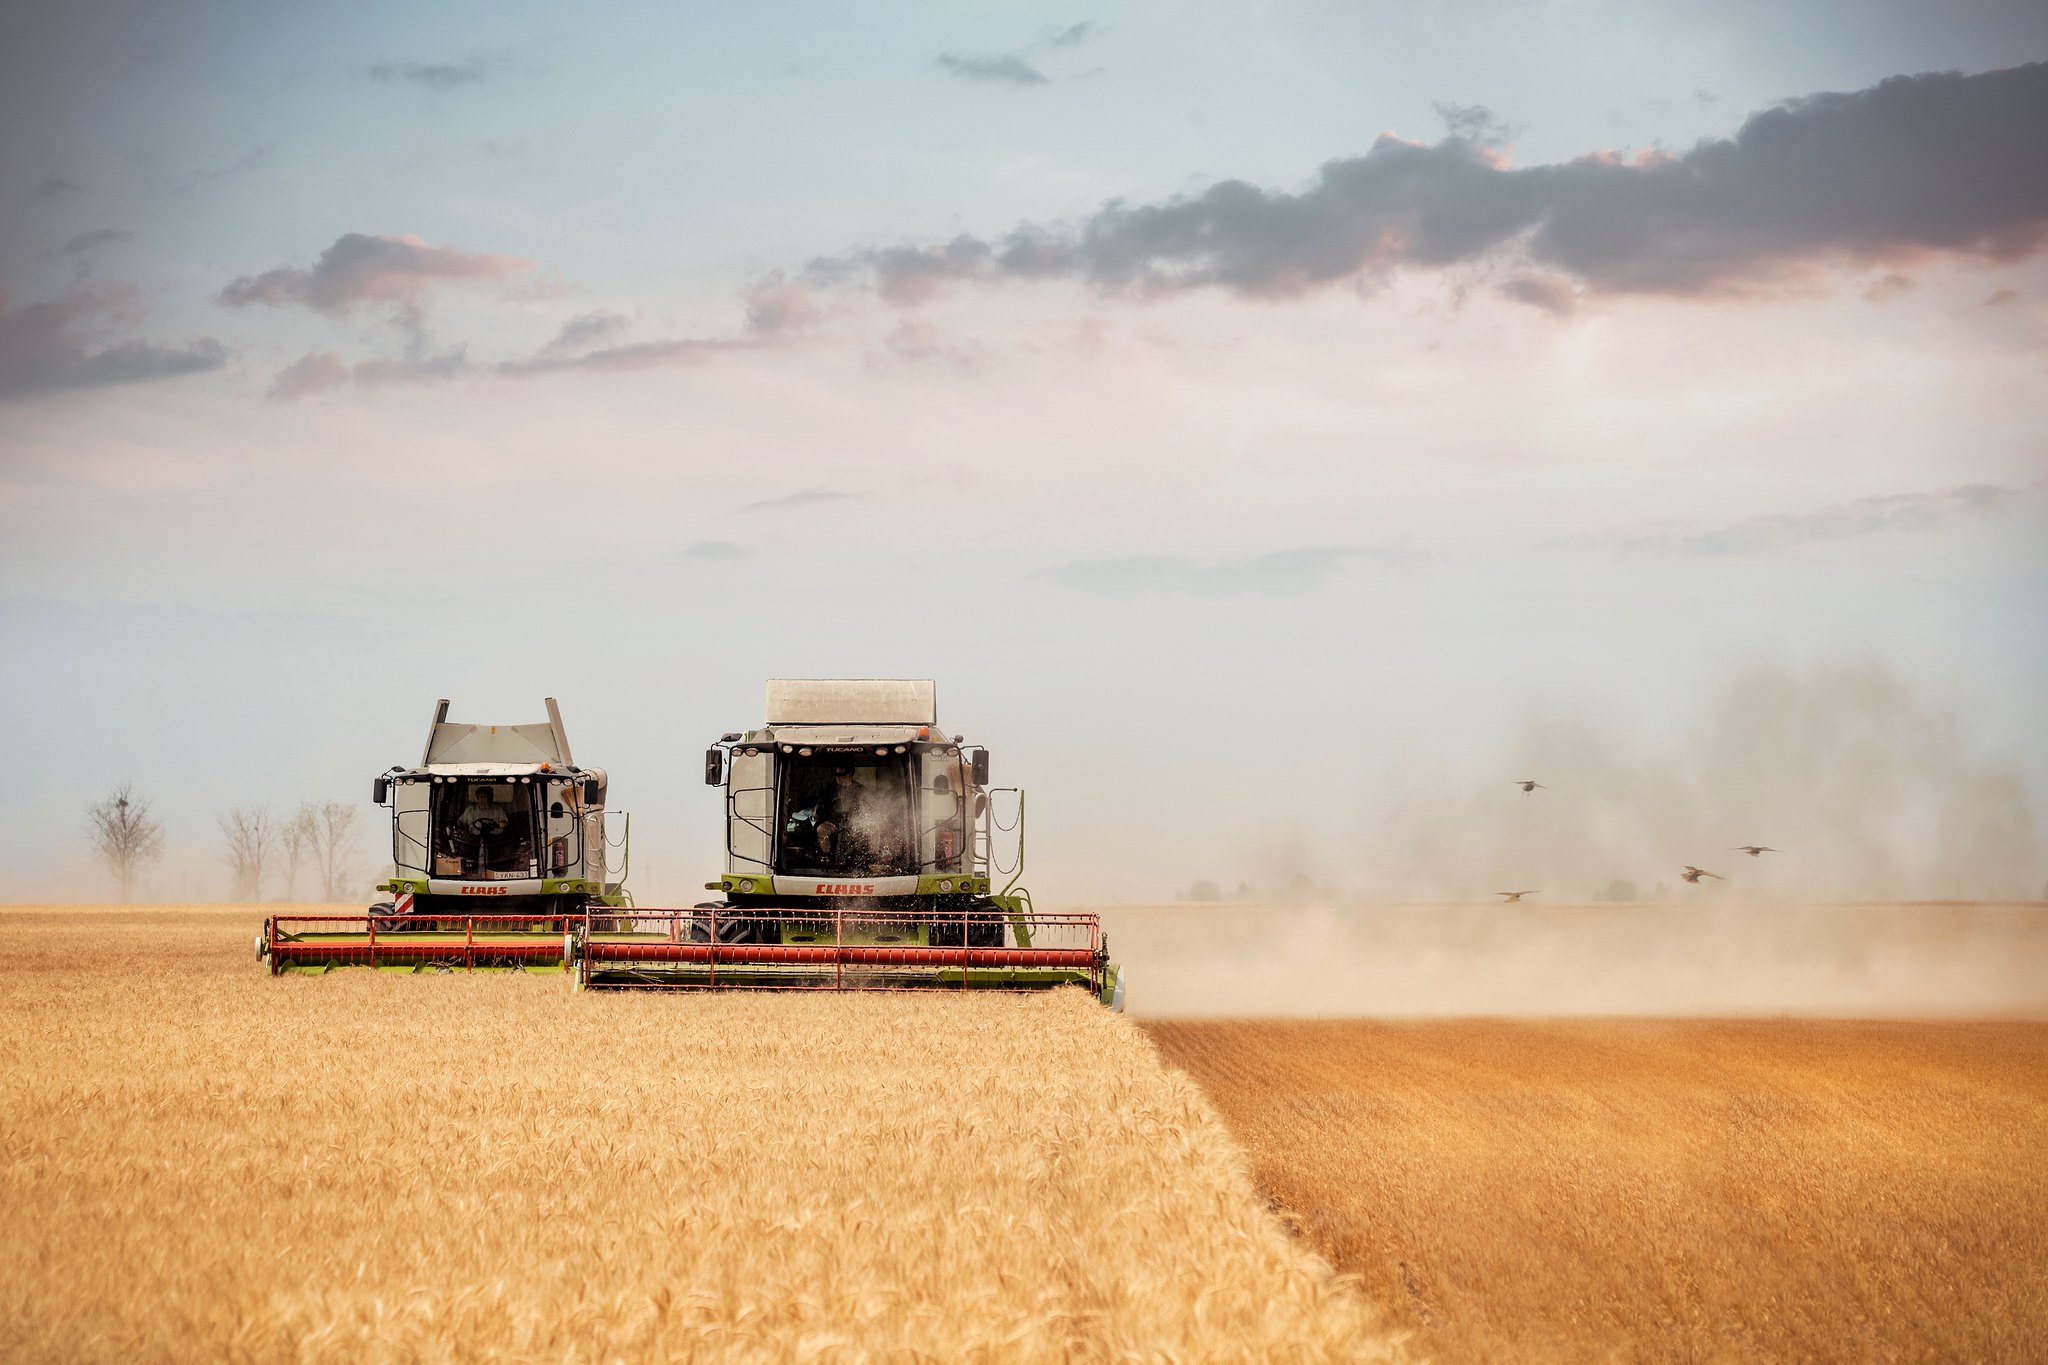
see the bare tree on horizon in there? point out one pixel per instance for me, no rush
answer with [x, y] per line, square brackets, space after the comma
[124, 835]
[332, 842]
[252, 836]
[295, 843]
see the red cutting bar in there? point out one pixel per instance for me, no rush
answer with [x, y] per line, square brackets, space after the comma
[388, 950]
[826, 954]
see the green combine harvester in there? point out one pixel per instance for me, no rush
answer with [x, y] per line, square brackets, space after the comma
[499, 844]
[862, 847]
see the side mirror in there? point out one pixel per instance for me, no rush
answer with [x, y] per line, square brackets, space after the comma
[943, 785]
[380, 791]
[714, 766]
[592, 792]
[981, 767]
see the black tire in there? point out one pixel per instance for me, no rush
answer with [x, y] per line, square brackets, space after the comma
[730, 930]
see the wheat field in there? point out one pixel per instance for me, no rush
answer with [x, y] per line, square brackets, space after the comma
[1660, 1190]
[201, 1162]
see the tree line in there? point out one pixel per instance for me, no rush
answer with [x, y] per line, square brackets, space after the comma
[315, 843]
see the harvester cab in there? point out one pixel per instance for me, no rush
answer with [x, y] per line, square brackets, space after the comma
[863, 846]
[498, 840]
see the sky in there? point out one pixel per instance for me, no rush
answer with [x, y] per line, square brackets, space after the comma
[1273, 425]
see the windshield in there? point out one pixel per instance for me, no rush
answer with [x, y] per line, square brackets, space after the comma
[846, 812]
[484, 828]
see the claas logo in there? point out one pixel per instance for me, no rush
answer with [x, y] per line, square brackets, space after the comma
[844, 889]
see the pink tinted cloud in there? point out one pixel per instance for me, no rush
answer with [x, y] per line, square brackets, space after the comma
[361, 269]
[321, 371]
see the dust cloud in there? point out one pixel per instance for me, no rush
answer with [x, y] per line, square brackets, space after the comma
[1870, 793]
[1882, 960]
[1905, 886]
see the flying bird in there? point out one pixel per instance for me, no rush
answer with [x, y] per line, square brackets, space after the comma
[1526, 785]
[1510, 897]
[1753, 849]
[1693, 874]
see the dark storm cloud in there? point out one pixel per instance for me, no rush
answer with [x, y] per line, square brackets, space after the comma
[1279, 573]
[1939, 163]
[46, 347]
[1862, 517]
[1005, 69]
[360, 269]
[474, 69]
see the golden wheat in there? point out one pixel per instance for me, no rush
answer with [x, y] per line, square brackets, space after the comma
[1660, 1191]
[201, 1162]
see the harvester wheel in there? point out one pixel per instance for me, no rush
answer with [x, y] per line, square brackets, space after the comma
[388, 922]
[730, 930]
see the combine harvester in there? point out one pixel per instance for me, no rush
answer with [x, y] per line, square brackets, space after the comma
[499, 845]
[861, 847]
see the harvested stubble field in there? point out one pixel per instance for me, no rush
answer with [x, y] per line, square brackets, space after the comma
[200, 1162]
[1660, 1190]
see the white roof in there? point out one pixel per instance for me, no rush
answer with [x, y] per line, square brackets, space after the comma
[452, 741]
[853, 701]
[877, 735]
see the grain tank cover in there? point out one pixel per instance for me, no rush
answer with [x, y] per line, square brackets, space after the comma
[852, 701]
[450, 741]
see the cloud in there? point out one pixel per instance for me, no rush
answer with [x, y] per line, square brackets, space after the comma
[1862, 517]
[1909, 168]
[44, 348]
[585, 331]
[91, 241]
[917, 342]
[776, 307]
[313, 372]
[1280, 573]
[1076, 34]
[1554, 294]
[362, 269]
[320, 371]
[53, 185]
[639, 355]
[474, 69]
[717, 549]
[1474, 123]
[809, 497]
[1005, 69]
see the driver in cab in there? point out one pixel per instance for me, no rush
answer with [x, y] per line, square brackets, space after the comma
[481, 818]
